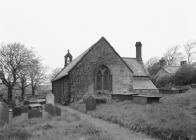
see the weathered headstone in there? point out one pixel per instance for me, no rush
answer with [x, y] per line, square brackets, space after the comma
[26, 103]
[34, 113]
[4, 113]
[24, 109]
[53, 110]
[17, 111]
[17, 102]
[57, 111]
[90, 103]
[50, 98]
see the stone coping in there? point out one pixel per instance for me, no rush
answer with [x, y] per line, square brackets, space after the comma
[150, 96]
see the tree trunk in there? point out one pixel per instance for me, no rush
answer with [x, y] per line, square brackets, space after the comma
[33, 90]
[9, 94]
[23, 92]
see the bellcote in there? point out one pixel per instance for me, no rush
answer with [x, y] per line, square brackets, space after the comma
[68, 58]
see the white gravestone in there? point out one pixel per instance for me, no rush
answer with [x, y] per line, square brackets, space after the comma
[50, 98]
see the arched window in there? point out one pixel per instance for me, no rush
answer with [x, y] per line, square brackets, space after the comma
[103, 79]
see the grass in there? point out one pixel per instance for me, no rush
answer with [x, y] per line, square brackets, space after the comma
[186, 101]
[68, 126]
[172, 119]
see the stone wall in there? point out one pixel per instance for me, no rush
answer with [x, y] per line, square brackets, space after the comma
[82, 77]
[60, 89]
[146, 91]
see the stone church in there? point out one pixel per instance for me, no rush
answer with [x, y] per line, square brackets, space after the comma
[101, 71]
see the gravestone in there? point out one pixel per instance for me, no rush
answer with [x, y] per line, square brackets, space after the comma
[26, 103]
[53, 110]
[24, 109]
[90, 103]
[34, 113]
[57, 111]
[4, 113]
[50, 98]
[17, 102]
[17, 111]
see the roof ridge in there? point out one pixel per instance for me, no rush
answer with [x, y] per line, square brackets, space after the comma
[170, 66]
[128, 57]
[78, 59]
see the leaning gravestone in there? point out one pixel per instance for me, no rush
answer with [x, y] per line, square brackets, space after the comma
[90, 103]
[4, 113]
[50, 98]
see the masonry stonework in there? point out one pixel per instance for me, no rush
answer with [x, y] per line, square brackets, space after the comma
[82, 77]
[100, 71]
[60, 89]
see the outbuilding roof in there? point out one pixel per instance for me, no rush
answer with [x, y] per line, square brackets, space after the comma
[171, 69]
[143, 84]
[137, 67]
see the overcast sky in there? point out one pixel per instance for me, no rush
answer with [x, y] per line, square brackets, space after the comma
[52, 27]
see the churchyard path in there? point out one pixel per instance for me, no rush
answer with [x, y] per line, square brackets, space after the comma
[118, 132]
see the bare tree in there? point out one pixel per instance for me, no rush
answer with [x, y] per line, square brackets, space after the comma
[173, 56]
[37, 74]
[152, 61]
[23, 80]
[189, 51]
[153, 66]
[13, 58]
[54, 73]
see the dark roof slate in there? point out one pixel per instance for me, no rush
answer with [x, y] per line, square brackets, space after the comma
[138, 67]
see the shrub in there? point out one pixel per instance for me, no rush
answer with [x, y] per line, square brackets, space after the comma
[164, 80]
[193, 80]
[184, 75]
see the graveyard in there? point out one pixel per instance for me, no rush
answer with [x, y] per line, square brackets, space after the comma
[159, 117]
[60, 122]
[173, 118]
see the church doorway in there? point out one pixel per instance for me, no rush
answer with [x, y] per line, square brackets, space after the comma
[103, 80]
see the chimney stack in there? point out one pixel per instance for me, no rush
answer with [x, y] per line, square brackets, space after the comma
[162, 62]
[68, 58]
[182, 63]
[138, 46]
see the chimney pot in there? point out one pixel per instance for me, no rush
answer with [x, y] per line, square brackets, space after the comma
[182, 63]
[162, 62]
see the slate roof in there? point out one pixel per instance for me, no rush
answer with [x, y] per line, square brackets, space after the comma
[69, 67]
[137, 67]
[66, 69]
[143, 84]
[171, 69]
